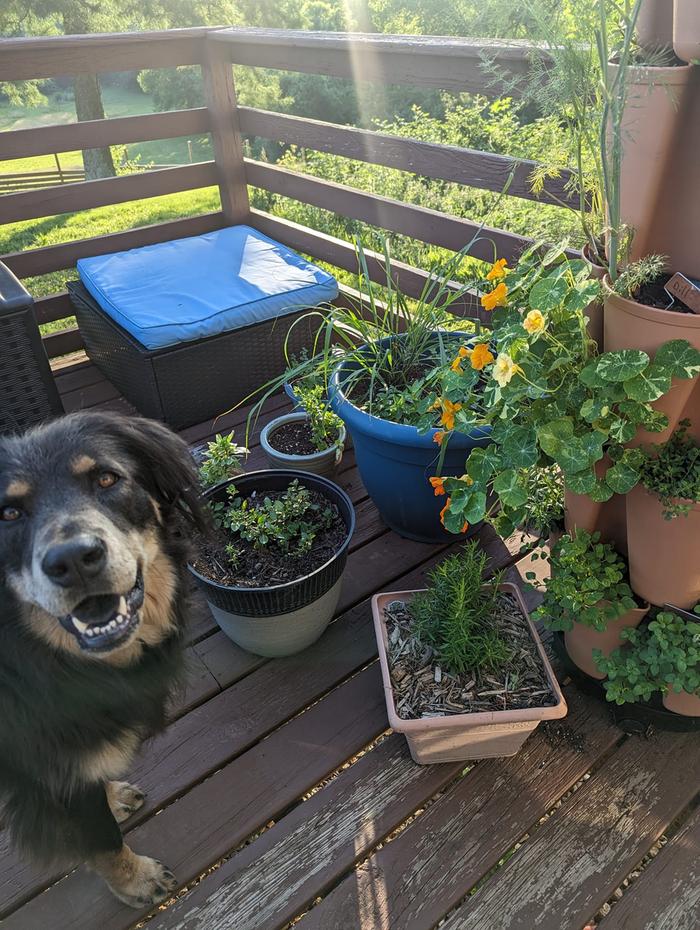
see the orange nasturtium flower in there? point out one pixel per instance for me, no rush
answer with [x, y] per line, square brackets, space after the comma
[495, 298]
[444, 510]
[498, 270]
[448, 413]
[438, 437]
[457, 365]
[438, 486]
[481, 356]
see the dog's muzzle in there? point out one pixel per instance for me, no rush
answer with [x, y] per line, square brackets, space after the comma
[104, 622]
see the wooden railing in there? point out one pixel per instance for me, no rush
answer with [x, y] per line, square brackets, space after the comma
[451, 64]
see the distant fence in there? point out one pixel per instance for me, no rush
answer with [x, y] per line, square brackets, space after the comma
[29, 180]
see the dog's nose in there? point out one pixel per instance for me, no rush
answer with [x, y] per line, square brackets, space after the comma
[69, 563]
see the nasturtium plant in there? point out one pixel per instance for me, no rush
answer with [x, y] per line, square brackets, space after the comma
[663, 656]
[587, 584]
[547, 396]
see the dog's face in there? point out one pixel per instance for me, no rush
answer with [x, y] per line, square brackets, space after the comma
[85, 506]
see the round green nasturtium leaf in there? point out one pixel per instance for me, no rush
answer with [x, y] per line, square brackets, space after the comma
[622, 365]
[648, 386]
[548, 294]
[680, 357]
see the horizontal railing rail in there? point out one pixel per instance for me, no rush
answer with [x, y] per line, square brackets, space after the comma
[448, 63]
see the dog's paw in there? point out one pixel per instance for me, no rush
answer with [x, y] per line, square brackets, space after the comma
[144, 883]
[124, 799]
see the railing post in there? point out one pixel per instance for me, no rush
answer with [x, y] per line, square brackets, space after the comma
[220, 99]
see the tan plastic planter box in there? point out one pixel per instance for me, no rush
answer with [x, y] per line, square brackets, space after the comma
[462, 737]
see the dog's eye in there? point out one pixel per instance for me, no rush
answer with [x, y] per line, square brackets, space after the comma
[9, 513]
[106, 479]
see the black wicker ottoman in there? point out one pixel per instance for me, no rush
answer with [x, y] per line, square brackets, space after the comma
[189, 381]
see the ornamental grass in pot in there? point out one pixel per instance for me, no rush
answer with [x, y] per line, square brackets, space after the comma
[588, 599]
[662, 657]
[272, 569]
[309, 439]
[663, 522]
[465, 674]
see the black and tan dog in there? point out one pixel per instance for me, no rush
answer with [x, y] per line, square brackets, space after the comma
[93, 521]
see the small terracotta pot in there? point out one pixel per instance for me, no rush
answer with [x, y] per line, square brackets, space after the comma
[608, 518]
[655, 25]
[460, 737]
[664, 561]
[682, 703]
[686, 30]
[582, 640]
[594, 311]
[631, 325]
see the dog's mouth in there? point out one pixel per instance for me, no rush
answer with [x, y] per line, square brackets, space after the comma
[104, 622]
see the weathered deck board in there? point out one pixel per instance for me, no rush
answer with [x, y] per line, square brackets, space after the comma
[266, 884]
[569, 868]
[667, 895]
[411, 882]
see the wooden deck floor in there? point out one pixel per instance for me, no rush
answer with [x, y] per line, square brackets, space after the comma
[278, 797]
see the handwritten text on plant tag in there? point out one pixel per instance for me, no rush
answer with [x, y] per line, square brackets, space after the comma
[686, 290]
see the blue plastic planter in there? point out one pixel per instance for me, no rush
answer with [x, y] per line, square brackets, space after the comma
[395, 463]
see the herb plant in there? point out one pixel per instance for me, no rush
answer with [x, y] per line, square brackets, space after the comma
[671, 471]
[638, 274]
[664, 655]
[544, 507]
[290, 523]
[324, 424]
[586, 584]
[455, 614]
[221, 460]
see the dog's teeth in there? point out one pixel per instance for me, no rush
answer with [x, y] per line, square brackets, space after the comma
[79, 625]
[122, 605]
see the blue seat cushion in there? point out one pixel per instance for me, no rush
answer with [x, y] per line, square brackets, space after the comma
[188, 289]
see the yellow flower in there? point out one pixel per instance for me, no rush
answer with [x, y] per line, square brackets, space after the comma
[481, 356]
[438, 437]
[504, 369]
[457, 365]
[498, 270]
[448, 413]
[495, 298]
[534, 322]
[465, 479]
[438, 486]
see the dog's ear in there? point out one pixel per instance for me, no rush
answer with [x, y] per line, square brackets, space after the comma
[166, 466]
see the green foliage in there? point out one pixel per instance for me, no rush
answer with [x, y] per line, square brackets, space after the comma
[664, 655]
[544, 507]
[290, 523]
[586, 584]
[221, 460]
[548, 397]
[671, 471]
[325, 425]
[455, 614]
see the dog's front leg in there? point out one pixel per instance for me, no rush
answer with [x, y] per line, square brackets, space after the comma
[136, 880]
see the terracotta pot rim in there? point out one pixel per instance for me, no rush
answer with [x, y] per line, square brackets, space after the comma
[641, 74]
[694, 505]
[465, 720]
[651, 314]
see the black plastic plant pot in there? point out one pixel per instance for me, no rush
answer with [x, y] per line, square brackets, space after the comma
[282, 619]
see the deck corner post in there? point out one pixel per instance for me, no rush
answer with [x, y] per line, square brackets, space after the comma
[220, 100]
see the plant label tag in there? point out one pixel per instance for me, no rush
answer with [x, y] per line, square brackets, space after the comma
[687, 290]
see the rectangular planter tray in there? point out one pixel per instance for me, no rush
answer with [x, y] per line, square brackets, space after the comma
[460, 737]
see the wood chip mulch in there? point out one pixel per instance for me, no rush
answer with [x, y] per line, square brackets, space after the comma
[422, 688]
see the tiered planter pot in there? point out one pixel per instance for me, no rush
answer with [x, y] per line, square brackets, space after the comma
[607, 518]
[686, 30]
[396, 461]
[282, 619]
[656, 125]
[582, 640]
[663, 554]
[318, 463]
[460, 737]
[655, 25]
[594, 311]
[631, 325]
[688, 705]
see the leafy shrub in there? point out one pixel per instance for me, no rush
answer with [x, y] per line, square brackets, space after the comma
[544, 508]
[455, 615]
[585, 573]
[221, 460]
[664, 655]
[290, 522]
[672, 472]
[325, 425]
